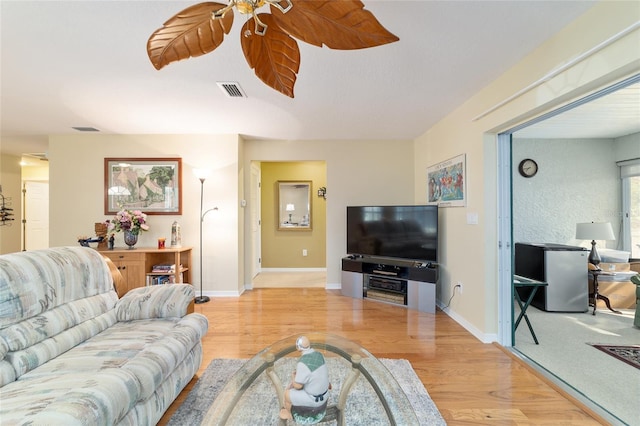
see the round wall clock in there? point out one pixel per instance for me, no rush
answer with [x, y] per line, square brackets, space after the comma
[528, 168]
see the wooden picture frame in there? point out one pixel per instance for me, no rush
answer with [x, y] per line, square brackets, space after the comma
[152, 185]
[294, 205]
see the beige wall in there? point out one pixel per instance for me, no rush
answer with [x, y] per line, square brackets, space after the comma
[358, 173]
[469, 253]
[283, 248]
[362, 172]
[38, 172]
[77, 196]
[11, 233]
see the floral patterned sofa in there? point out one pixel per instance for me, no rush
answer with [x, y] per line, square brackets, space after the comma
[72, 353]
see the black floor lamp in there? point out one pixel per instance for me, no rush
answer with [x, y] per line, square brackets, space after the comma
[202, 175]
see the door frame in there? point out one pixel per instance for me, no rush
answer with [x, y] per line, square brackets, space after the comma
[505, 220]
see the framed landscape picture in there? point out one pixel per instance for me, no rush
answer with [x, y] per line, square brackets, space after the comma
[446, 183]
[152, 185]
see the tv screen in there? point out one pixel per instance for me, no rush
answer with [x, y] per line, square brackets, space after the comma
[406, 232]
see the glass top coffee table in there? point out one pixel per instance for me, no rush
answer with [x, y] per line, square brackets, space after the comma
[363, 389]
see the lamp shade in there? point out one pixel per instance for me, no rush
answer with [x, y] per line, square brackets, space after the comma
[202, 174]
[290, 208]
[594, 231]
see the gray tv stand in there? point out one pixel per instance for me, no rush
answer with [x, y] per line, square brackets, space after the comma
[402, 282]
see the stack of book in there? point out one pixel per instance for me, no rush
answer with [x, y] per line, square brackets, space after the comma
[160, 279]
[163, 273]
[164, 267]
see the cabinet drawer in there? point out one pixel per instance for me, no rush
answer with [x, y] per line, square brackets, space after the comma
[126, 257]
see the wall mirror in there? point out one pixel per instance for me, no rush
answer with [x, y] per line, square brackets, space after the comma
[294, 205]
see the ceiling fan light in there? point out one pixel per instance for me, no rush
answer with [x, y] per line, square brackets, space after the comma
[248, 7]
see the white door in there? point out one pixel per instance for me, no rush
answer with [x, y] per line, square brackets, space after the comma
[254, 209]
[36, 215]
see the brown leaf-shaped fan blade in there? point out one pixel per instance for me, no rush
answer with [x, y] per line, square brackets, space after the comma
[275, 56]
[342, 24]
[191, 32]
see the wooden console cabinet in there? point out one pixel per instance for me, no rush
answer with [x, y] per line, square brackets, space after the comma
[136, 265]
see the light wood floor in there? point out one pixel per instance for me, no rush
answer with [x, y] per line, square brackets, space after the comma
[470, 382]
[290, 280]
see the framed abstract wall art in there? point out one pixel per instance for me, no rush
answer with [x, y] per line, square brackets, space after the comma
[446, 182]
[153, 185]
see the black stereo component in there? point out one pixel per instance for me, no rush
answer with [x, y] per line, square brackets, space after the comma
[399, 286]
[384, 269]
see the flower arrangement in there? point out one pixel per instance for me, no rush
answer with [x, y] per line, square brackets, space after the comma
[128, 220]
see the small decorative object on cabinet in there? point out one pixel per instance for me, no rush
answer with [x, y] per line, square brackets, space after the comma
[137, 266]
[130, 239]
[101, 232]
[176, 234]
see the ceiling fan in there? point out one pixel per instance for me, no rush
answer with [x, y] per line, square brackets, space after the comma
[268, 38]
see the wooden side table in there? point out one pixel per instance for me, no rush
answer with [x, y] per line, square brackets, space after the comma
[596, 295]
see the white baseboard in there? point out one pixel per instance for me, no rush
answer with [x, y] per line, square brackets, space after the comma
[293, 270]
[483, 337]
[222, 293]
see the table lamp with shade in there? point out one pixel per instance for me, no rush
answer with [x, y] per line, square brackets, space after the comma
[290, 208]
[594, 231]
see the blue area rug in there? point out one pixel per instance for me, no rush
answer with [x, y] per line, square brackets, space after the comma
[362, 407]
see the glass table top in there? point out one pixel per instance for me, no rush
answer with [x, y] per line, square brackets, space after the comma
[243, 399]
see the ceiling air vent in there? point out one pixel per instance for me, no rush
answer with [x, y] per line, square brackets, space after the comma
[232, 89]
[42, 156]
[85, 129]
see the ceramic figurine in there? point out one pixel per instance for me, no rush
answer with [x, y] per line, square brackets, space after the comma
[309, 385]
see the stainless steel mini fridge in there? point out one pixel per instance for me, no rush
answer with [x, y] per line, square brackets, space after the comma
[563, 267]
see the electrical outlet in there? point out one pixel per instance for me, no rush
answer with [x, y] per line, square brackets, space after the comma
[304, 252]
[459, 285]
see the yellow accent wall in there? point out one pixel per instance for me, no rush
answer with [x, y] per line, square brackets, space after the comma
[283, 248]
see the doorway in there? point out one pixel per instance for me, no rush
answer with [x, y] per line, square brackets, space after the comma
[288, 256]
[36, 215]
[586, 169]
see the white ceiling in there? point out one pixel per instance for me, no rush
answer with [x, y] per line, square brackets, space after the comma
[613, 115]
[84, 63]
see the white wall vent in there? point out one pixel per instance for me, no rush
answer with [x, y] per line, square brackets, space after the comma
[232, 89]
[38, 155]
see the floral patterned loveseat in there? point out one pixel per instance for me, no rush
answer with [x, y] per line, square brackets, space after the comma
[72, 353]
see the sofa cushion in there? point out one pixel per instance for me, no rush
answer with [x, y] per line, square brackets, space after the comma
[34, 330]
[166, 301]
[36, 281]
[36, 355]
[146, 411]
[7, 373]
[100, 398]
[152, 365]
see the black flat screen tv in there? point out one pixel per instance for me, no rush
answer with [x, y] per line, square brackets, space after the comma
[404, 232]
